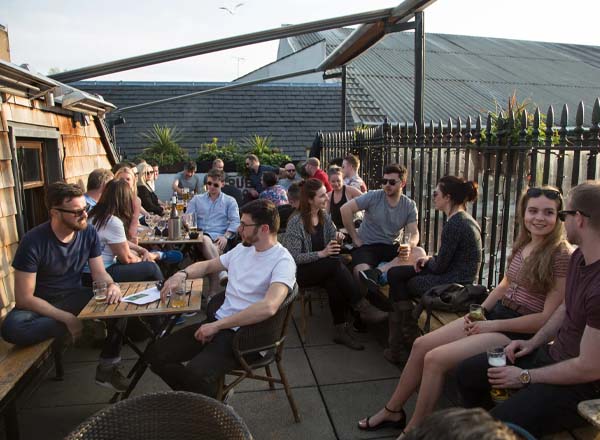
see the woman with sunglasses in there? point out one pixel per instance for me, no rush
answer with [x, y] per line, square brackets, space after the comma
[531, 290]
[145, 192]
[313, 241]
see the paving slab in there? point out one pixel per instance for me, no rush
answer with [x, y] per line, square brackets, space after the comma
[269, 416]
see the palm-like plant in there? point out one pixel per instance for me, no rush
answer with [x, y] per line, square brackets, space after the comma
[163, 145]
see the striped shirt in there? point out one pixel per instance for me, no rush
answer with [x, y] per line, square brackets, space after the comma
[528, 296]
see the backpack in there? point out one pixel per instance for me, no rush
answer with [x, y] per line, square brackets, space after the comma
[454, 298]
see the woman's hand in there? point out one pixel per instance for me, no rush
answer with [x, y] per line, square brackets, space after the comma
[340, 236]
[421, 263]
[332, 248]
[477, 327]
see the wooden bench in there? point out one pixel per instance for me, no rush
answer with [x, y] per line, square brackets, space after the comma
[19, 367]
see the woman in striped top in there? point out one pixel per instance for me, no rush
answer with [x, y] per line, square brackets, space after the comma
[532, 289]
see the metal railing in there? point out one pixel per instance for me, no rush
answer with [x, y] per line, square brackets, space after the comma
[504, 157]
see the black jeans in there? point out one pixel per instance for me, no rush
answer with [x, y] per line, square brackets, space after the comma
[206, 363]
[539, 408]
[331, 274]
[398, 280]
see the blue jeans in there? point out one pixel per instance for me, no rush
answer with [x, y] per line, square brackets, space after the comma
[142, 271]
[24, 327]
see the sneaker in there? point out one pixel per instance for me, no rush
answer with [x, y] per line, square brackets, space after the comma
[223, 278]
[172, 257]
[371, 277]
[180, 320]
[111, 377]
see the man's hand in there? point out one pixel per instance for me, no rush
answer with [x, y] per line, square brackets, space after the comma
[206, 332]
[221, 242]
[113, 293]
[517, 349]
[74, 326]
[505, 377]
[171, 284]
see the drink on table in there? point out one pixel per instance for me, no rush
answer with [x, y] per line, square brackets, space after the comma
[497, 358]
[99, 288]
[186, 194]
[178, 295]
[476, 313]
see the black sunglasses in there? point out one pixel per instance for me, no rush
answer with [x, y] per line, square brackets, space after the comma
[391, 182]
[562, 215]
[215, 184]
[552, 194]
[76, 212]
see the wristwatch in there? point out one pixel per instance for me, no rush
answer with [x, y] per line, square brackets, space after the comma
[525, 377]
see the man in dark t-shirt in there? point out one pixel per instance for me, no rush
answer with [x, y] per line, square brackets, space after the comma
[48, 290]
[255, 172]
[553, 378]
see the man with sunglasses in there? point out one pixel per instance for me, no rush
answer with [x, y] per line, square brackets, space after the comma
[217, 214]
[386, 212]
[261, 273]
[290, 176]
[553, 378]
[48, 290]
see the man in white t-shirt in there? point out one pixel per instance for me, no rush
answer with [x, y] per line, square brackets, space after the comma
[251, 296]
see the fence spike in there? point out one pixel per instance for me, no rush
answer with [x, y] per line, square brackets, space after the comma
[523, 131]
[550, 120]
[596, 112]
[450, 126]
[579, 116]
[488, 128]
[468, 127]
[536, 119]
[564, 116]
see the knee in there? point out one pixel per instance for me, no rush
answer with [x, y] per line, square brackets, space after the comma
[436, 359]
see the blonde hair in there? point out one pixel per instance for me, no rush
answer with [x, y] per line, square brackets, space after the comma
[537, 270]
[142, 169]
[127, 170]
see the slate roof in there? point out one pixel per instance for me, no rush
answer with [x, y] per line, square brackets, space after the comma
[464, 75]
[291, 114]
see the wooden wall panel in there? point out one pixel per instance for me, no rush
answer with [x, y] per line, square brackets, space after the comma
[7, 202]
[6, 175]
[7, 296]
[7, 253]
[8, 230]
[5, 153]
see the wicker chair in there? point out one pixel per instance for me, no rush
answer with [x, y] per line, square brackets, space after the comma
[173, 414]
[252, 340]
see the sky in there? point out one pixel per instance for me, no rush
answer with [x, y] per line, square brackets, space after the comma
[67, 34]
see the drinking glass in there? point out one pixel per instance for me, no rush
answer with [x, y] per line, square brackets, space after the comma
[151, 221]
[476, 312]
[405, 244]
[497, 358]
[162, 225]
[99, 288]
[178, 295]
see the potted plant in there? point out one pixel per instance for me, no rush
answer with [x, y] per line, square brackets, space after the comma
[164, 149]
[210, 151]
[261, 146]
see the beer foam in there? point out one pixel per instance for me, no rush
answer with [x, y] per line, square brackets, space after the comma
[497, 361]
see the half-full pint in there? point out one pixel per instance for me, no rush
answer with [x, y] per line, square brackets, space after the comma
[497, 358]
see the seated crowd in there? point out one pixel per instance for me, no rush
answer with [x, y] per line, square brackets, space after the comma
[548, 294]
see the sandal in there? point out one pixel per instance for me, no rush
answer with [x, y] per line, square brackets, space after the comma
[393, 424]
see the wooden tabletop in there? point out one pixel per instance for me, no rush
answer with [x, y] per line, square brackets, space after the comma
[166, 241]
[94, 310]
[590, 410]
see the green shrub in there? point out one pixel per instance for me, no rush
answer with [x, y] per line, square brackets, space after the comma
[211, 150]
[163, 145]
[263, 149]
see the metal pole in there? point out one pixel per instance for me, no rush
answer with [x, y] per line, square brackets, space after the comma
[419, 69]
[343, 112]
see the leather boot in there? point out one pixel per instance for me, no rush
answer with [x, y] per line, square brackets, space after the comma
[370, 313]
[342, 336]
[395, 351]
[410, 325]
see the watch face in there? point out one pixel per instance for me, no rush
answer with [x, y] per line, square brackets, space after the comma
[524, 377]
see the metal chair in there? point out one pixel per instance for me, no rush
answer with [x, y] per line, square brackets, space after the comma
[258, 346]
[173, 414]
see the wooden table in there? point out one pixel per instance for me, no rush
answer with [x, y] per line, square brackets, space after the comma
[166, 241]
[590, 410]
[94, 310]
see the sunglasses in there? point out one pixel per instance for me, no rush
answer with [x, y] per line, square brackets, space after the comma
[390, 182]
[149, 173]
[291, 171]
[215, 184]
[552, 194]
[76, 212]
[562, 215]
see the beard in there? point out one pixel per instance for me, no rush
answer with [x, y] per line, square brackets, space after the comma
[79, 226]
[249, 241]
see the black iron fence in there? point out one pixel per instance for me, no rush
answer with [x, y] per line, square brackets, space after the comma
[504, 156]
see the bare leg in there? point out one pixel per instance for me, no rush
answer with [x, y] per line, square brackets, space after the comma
[411, 375]
[440, 360]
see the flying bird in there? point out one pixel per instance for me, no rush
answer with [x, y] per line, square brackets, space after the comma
[233, 9]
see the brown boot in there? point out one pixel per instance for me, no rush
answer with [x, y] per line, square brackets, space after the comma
[369, 313]
[395, 351]
[410, 326]
[342, 336]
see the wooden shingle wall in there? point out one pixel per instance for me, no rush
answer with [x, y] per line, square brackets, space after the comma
[84, 151]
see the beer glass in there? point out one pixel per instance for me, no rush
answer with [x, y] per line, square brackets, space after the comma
[497, 358]
[405, 245]
[178, 295]
[99, 288]
[476, 313]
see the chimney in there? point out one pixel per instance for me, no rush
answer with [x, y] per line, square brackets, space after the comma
[4, 45]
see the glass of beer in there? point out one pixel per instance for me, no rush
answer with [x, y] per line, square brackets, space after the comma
[476, 313]
[99, 288]
[178, 295]
[497, 358]
[405, 245]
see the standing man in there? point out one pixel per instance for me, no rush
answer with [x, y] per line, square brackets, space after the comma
[218, 216]
[48, 291]
[96, 183]
[255, 172]
[313, 169]
[386, 212]
[261, 272]
[350, 166]
[553, 378]
[187, 179]
[290, 176]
